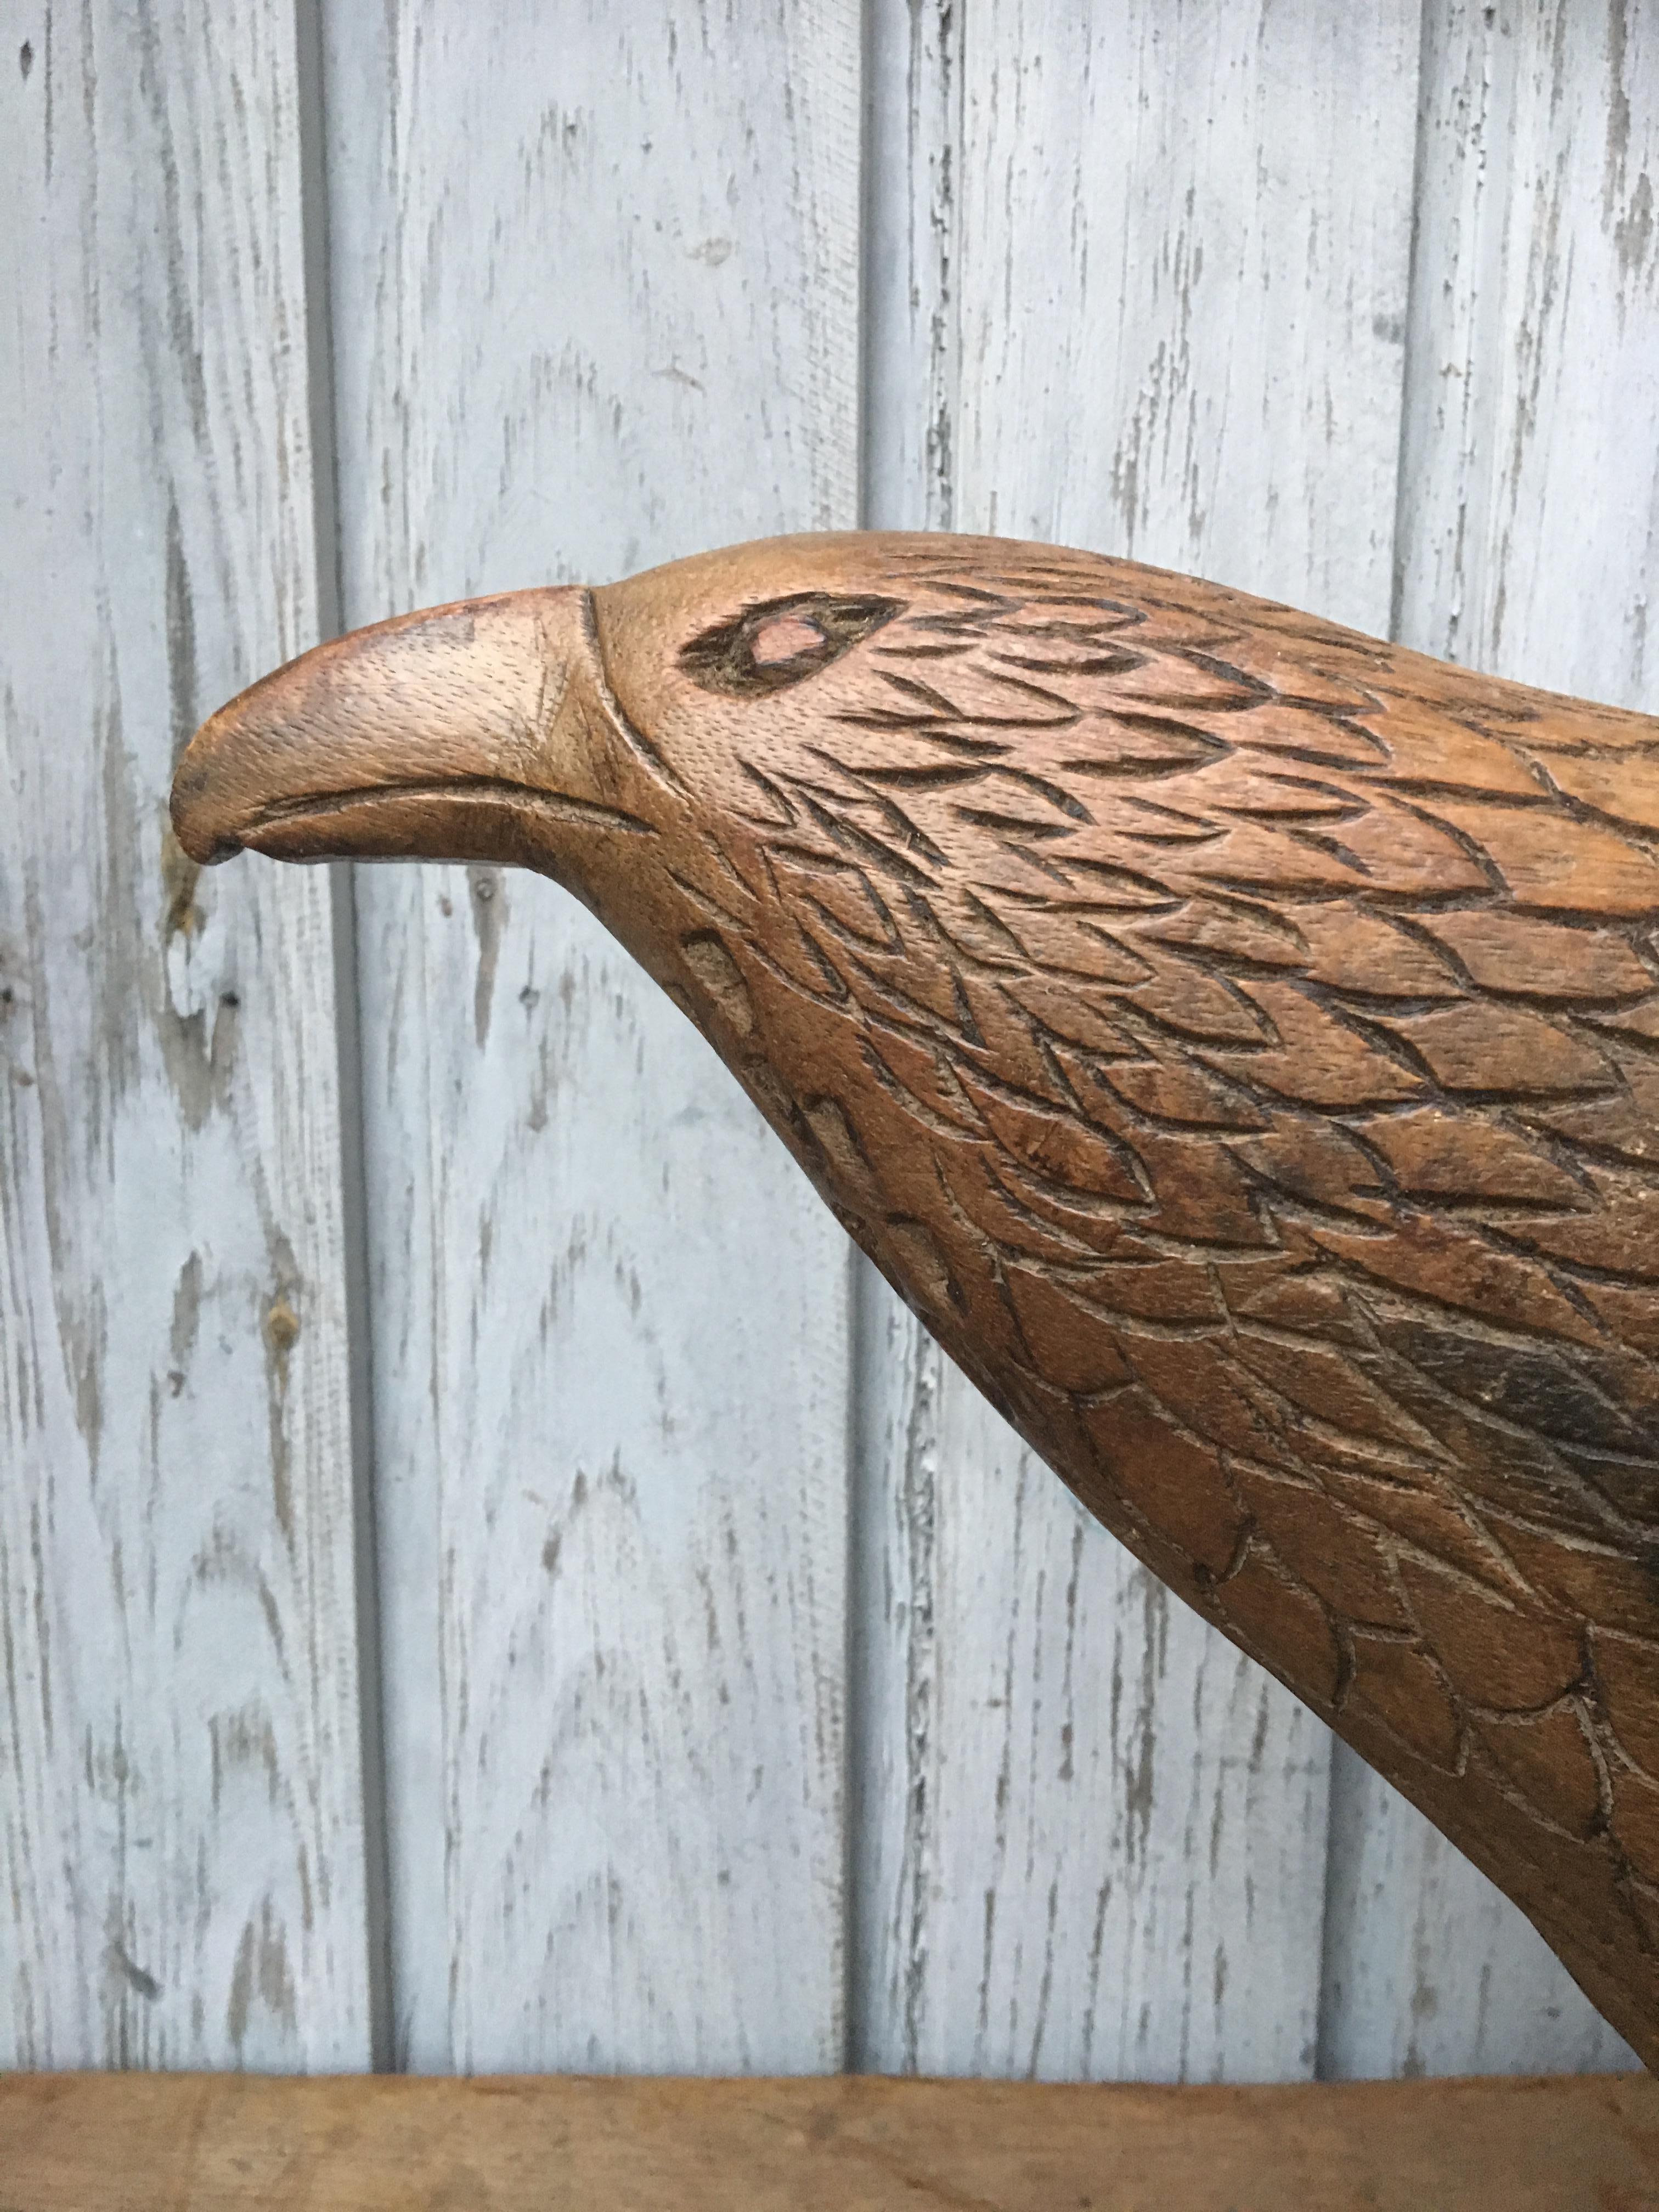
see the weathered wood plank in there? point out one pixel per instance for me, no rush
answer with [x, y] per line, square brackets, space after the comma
[595, 304]
[1529, 545]
[1098, 1832]
[913, 334]
[180, 1815]
[1529, 517]
[1173, 267]
[1429, 1969]
[1185, 273]
[209, 2144]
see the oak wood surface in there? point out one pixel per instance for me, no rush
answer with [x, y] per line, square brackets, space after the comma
[223, 2143]
[182, 1861]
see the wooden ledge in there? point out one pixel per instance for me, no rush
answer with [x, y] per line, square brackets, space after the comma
[159, 2143]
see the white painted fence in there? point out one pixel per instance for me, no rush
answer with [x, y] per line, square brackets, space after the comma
[486, 1583]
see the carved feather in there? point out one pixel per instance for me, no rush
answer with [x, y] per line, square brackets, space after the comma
[1236, 1038]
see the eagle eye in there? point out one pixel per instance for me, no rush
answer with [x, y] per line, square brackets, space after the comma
[768, 648]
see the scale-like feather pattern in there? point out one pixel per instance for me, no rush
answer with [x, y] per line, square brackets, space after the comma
[1236, 1038]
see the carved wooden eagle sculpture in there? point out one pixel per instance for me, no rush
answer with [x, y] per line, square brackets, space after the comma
[1237, 1039]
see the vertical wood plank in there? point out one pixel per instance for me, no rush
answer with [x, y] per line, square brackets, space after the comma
[1095, 1834]
[595, 306]
[180, 1815]
[1429, 1969]
[1529, 545]
[912, 255]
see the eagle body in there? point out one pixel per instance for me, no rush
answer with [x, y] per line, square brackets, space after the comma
[1236, 1038]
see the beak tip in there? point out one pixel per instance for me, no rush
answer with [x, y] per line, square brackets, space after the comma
[323, 758]
[195, 802]
[208, 853]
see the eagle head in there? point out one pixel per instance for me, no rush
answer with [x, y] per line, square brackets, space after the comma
[511, 728]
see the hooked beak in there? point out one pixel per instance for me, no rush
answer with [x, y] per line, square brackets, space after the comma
[451, 734]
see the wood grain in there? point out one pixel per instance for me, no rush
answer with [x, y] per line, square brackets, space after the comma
[1428, 1967]
[182, 1823]
[1082, 1847]
[1103, 338]
[912, 260]
[72, 2144]
[595, 300]
[1527, 546]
